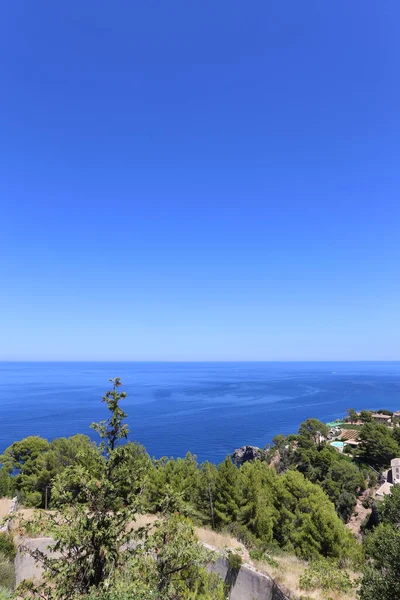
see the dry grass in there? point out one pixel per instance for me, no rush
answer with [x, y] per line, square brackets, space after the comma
[218, 540]
[288, 573]
[5, 504]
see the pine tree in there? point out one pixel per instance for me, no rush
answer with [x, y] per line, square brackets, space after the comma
[227, 498]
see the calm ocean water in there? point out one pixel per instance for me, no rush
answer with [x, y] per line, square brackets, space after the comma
[207, 408]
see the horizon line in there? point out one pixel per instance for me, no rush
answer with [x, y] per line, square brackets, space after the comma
[222, 361]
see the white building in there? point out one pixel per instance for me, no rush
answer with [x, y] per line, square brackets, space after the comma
[395, 464]
[386, 487]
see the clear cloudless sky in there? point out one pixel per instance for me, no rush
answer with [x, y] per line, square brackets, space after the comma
[200, 180]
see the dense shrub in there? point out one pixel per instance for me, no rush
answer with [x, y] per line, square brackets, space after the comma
[234, 561]
[7, 573]
[7, 547]
[327, 576]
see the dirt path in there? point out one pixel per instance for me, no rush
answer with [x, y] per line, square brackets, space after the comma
[357, 518]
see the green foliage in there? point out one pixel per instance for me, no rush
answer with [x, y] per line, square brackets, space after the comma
[294, 512]
[353, 415]
[181, 476]
[378, 445]
[169, 565]
[389, 508]
[205, 493]
[242, 533]
[227, 497]
[179, 556]
[7, 574]
[234, 561]
[343, 483]
[26, 460]
[328, 576]
[98, 554]
[93, 527]
[6, 483]
[368, 502]
[5, 593]
[307, 522]
[261, 555]
[381, 576]
[366, 416]
[7, 546]
[34, 462]
[311, 429]
[341, 479]
[97, 490]
[257, 511]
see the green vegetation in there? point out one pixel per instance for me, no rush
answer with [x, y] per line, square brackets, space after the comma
[378, 445]
[353, 414]
[297, 500]
[366, 416]
[96, 500]
[328, 576]
[7, 574]
[351, 426]
[381, 578]
[34, 462]
[234, 561]
[320, 463]
[7, 546]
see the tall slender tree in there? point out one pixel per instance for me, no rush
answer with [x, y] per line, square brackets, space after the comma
[91, 527]
[97, 554]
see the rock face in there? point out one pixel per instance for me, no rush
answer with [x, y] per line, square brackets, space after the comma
[245, 453]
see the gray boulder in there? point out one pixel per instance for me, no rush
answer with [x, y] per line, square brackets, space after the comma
[246, 453]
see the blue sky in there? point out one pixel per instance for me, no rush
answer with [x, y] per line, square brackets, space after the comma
[200, 181]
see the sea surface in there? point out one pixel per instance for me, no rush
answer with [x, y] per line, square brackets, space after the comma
[205, 408]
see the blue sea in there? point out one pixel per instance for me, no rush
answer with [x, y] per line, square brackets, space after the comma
[206, 408]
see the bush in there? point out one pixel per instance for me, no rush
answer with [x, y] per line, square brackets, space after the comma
[5, 593]
[234, 561]
[261, 555]
[372, 479]
[348, 449]
[243, 535]
[368, 502]
[326, 575]
[33, 499]
[7, 547]
[7, 574]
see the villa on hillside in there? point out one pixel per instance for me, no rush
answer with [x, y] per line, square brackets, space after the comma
[393, 478]
[379, 418]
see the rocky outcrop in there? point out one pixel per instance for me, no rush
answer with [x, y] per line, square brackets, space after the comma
[246, 453]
